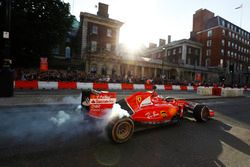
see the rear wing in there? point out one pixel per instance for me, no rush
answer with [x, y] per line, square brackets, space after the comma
[101, 104]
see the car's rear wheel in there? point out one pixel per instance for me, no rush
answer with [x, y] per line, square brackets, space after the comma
[120, 130]
[201, 113]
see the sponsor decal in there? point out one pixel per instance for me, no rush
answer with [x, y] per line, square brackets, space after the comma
[149, 115]
[138, 99]
[163, 114]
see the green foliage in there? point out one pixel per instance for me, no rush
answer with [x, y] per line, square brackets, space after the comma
[37, 26]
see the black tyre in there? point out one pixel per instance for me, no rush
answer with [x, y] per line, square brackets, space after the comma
[201, 113]
[120, 130]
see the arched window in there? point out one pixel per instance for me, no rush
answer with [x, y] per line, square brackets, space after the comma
[93, 68]
[104, 70]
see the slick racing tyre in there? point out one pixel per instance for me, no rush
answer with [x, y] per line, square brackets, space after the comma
[201, 113]
[120, 130]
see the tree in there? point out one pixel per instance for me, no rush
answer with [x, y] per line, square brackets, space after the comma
[37, 26]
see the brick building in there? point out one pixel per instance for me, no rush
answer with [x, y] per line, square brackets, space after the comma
[226, 46]
[99, 40]
[180, 60]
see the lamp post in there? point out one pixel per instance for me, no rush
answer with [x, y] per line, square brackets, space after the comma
[6, 74]
[231, 70]
[162, 64]
[6, 28]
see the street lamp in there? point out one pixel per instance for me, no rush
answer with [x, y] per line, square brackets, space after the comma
[162, 64]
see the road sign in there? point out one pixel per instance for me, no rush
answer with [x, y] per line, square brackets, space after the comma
[6, 35]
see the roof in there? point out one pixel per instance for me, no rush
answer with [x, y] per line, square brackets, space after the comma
[101, 19]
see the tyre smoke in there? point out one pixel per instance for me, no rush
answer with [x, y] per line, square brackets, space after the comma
[60, 123]
[61, 118]
[117, 111]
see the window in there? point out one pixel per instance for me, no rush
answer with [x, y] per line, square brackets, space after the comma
[108, 47]
[229, 34]
[209, 43]
[222, 52]
[196, 52]
[223, 42]
[228, 43]
[228, 53]
[109, 32]
[209, 33]
[241, 67]
[95, 29]
[208, 52]
[221, 62]
[223, 32]
[233, 35]
[232, 45]
[169, 52]
[232, 27]
[180, 50]
[207, 63]
[189, 51]
[223, 23]
[174, 51]
[93, 46]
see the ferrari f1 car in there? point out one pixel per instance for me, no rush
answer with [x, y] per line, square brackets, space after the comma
[140, 108]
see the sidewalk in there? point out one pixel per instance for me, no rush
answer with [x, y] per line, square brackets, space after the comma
[28, 97]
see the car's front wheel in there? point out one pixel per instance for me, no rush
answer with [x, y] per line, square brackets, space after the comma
[120, 130]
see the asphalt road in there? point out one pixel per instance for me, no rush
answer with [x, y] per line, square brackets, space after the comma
[56, 135]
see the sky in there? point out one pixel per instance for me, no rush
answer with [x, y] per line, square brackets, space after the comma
[147, 21]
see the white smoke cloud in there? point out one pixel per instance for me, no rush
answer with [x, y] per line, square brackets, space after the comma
[60, 118]
[117, 111]
[71, 100]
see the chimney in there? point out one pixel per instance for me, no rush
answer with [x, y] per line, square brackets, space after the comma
[162, 42]
[103, 10]
[152, 45]
[169, 38]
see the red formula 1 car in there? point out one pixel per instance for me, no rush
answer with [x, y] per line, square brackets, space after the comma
[142, 108]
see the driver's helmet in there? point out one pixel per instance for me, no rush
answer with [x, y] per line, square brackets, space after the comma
[149, 82]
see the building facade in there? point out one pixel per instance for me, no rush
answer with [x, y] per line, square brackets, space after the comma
[181, 61]
[226, 46]
[217, 50]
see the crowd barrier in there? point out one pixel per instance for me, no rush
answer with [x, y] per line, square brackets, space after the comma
[217, 91]
[98, 86]
[201, 90]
